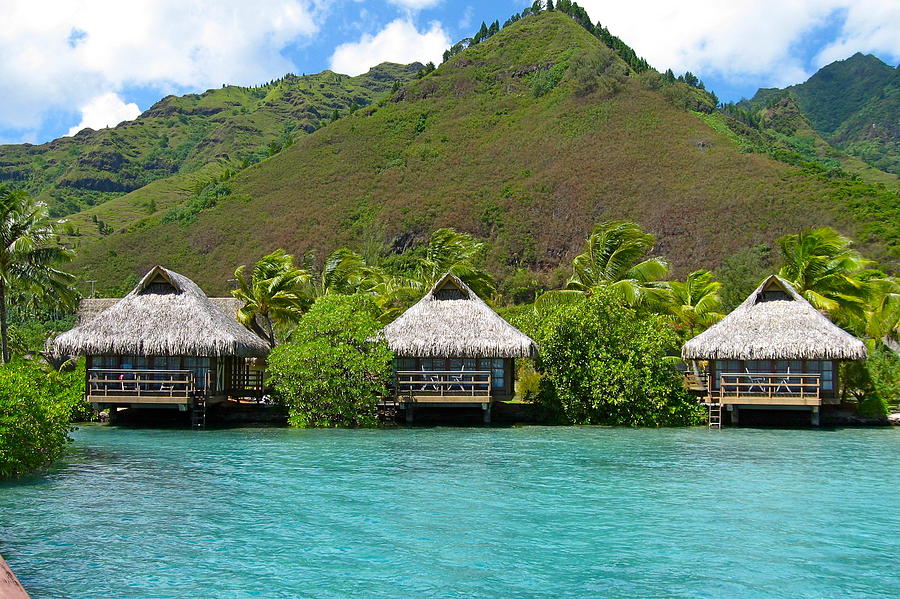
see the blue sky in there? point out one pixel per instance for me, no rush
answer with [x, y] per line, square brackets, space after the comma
[72, 63]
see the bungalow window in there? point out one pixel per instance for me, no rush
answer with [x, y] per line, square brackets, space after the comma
[727, 367]
[498, 373]
[200, 368]
[825, 370]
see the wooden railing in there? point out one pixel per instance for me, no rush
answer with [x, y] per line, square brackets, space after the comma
[695, 382]
[473, 383]
[105, 382]
[248, 383]
[769, 385]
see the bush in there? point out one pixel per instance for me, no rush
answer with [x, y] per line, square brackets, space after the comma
[875, 382]
[603, 364]
[36, 407]
[330, 373]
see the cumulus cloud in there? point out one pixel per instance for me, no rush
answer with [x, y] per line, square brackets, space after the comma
[61, 54]
[740, 39]
[105, 110]
[399, 41]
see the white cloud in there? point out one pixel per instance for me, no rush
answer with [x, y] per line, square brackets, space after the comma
[105, 110]
[739, 39]
[60, 54]
[415, 4]
[399, 41]
[871, 26]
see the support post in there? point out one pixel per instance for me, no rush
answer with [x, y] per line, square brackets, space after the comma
[113, 416]
[814, 417]
[486, 408]
[734, 414]
[409, 412]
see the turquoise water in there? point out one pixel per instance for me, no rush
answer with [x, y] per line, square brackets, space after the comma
[521, 512]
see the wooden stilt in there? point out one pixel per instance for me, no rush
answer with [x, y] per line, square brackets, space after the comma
[409, 412]
[814, 417]
[486, 409]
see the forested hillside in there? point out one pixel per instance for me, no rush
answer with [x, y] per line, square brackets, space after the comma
[853, 103]
[225, 128]
[527, 139]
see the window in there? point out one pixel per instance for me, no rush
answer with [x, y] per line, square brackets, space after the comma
[405, 363]
[726, 367]
[200, 368]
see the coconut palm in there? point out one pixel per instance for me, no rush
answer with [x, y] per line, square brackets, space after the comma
[345, 272]
[460, 253]
[692, 304]
[29, 256]
[275, 295]
[614, 258]
[822, 267]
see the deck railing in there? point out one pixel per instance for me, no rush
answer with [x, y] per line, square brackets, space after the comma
[760, 385]
[473, 383]
[247, 383]
[695, 381]
[107, 382]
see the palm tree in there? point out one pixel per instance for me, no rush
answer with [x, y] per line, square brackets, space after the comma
[692, 304]
[459, 253]
[29, 256]
[345, 272]
[614, 258]
[274, 296]
[822, 267]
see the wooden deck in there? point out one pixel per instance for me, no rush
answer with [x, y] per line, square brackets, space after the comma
[132, 386]
[768, 389]
[444, 387]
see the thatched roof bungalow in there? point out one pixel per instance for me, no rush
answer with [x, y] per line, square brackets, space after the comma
[165, 331]
[774, 349]
[453, 349]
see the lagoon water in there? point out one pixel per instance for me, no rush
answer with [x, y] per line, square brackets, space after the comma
[461, 512]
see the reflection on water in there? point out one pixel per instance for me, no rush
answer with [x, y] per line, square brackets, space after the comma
[522, 512]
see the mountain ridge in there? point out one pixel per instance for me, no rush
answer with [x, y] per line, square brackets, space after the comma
[527, 139]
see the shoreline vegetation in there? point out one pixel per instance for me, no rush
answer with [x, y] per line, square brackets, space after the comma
[609, 337]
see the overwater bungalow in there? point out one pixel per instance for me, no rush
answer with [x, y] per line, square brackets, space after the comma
[453, 350]
[165, 344]
[774, 351]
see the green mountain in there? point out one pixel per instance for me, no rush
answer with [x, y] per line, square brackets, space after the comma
[852, 103]
[526, 139]
[229, 127]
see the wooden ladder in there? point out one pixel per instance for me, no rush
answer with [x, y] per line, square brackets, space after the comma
[198, 412]
[715, 415]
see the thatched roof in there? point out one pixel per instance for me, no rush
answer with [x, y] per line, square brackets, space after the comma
[774, 323]
[91, 307]
[451, 321]
[165, 315]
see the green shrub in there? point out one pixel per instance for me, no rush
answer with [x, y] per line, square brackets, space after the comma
[331, 373]
[36, 406]
[875, 382]
[603, 364]
[542, 82]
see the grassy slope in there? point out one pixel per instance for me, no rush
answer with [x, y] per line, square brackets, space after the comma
[469, 146]
[179, 135]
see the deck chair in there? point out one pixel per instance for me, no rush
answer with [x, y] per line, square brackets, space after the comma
[757, 382]
[459, 378]
[784, 384]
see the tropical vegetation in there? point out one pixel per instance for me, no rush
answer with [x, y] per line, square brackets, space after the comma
[273, 295]
[37, 405]
[332, 370]
[604, 363]
[30, 259]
